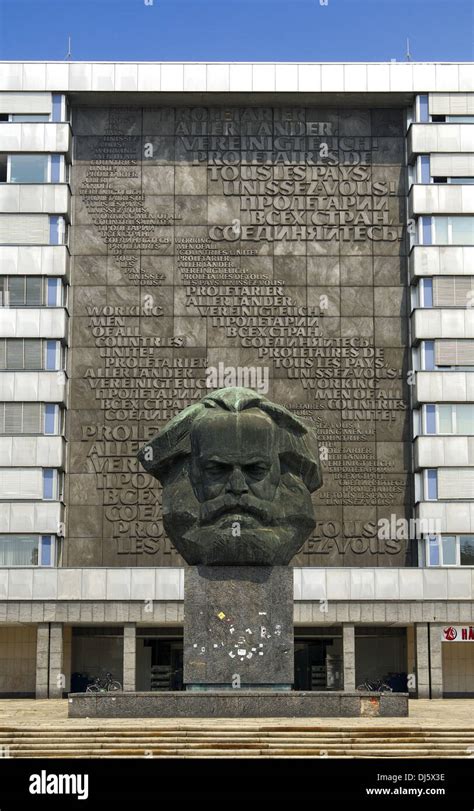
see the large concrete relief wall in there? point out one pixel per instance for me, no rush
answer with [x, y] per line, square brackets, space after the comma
[221, 246]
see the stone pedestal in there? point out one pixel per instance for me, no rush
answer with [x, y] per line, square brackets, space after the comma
[238, 627]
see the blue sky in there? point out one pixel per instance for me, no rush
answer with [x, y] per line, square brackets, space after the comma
[234, 30]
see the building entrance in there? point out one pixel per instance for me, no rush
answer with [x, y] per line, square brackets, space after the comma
[159, 662]
[318, 662]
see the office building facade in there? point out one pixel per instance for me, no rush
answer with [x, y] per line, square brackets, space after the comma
[306, 230]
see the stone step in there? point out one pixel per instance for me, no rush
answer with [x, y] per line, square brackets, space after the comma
[57, 740]
[272, 753]
[220, 733]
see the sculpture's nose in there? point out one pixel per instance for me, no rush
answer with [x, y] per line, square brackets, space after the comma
[236, 483]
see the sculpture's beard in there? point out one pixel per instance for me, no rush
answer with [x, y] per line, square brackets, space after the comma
[241, 531]
[230, 509]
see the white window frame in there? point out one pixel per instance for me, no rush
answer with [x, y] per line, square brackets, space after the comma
[425, 485]
[423, 357]
[421, 292]
[62, 168]
[39, 565]
[58, 414]
[457, 536]
[449, 218]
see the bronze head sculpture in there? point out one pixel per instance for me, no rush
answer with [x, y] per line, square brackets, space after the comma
[237, 473]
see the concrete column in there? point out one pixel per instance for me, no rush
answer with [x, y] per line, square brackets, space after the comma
[129, 657]
[422, 660]
[57, 680]
[42, 659]
[348, 656]
[436, 662]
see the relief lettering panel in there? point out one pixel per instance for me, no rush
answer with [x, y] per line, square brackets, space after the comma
[221, 246]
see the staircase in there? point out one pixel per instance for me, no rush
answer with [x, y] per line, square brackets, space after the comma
[221, 740]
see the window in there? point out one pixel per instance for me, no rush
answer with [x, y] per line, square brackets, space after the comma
[30, 291]
[36, 168]
[438, 119]
[57, 230]
[51, 419]
[426, 292]
[57, 107]
[422, 110]
[440, 180]
[424, 169]
[46, 550]
[464, 180]
[446, 230]
[21, 484]
[450, 550]
[49, 484]
[426, 232]
[427, 356]
[453, 231]
[449, 419]
[28, 168]
[30, 354]
[55, 169]
[27, 550]
[52, 355]
[431, 485]
[430, 419]
[460, 119]
[453, 291]
[21, 291]
[20, 418]
[52, 484]
[21, 353]
[53, 297]
[466, 550]
[29, 117]
[30, 418]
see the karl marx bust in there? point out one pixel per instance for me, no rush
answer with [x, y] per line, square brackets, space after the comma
[237, 473]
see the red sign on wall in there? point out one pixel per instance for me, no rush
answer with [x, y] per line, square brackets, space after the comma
[458, 633]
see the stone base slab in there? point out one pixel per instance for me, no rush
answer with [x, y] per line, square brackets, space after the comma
[237, 704]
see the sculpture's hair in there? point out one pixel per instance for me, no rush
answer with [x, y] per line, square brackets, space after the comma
[297, 440]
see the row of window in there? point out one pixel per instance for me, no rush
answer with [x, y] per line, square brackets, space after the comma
[445, 484]
[437, 230]
[36, 168]
[444, 291]
[42, 550]
[448, 550]
[31, 291]
[31, 354]
[420, 172]
[31, 484]
[28, 550]
[26, 229]
[422, 114]
[445, 355]
[31, 418]
[59, 112]
[448, 419]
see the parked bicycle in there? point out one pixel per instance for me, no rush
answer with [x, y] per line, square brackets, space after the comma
[375, 686]
[104, 685]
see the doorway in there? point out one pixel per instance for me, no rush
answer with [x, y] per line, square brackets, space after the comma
[318, 662]
[159, 663]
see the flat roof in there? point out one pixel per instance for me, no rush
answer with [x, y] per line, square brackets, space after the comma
[390, 78]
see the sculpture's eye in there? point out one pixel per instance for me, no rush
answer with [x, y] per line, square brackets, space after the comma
[257, 470]
[216, 468]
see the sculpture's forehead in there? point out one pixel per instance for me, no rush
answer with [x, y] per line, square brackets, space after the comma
[221, 431]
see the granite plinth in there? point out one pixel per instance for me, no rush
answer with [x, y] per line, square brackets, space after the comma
[238, 626]
[238, 704]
